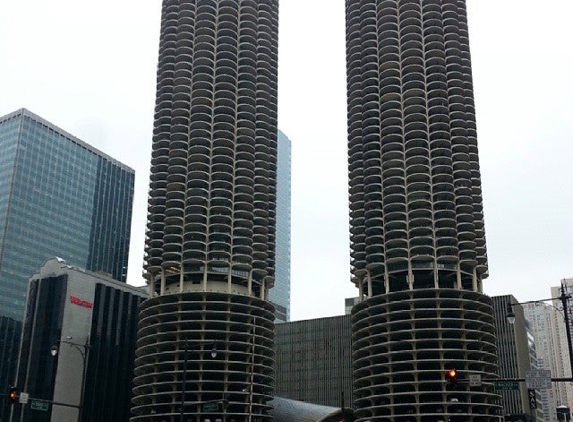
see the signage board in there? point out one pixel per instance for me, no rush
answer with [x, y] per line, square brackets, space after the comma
[24, 398]
[532, 399]
[39, 405]
[211, 406]
[506, 385]
[539, 379]
[80, 302]
[475, 380]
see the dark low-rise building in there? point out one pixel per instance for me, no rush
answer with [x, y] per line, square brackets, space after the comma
[10, 332]
[78, 346]
[313, 361]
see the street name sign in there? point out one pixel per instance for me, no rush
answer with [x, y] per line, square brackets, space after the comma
[539, 379]
[211, 406]
[39, 405]
[506, 385]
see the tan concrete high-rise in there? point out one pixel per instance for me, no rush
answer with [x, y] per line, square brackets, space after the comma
[211, 225]
[418, 253]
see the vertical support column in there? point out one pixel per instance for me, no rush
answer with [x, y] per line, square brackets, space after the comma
[410, 276]
[151, 284]
[370, 292]
[162, 286]
[205, 272]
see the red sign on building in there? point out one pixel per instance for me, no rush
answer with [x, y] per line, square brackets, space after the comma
[80, 302]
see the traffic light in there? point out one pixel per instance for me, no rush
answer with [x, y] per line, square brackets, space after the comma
[13, 395]
[452, 376]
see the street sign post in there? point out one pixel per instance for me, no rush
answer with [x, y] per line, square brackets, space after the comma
[24, 398]
[39, 405]
[475, 380]
[538, 379]
[506, 385]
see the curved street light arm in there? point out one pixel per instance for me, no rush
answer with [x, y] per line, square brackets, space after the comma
[563, 297]
[84, 350]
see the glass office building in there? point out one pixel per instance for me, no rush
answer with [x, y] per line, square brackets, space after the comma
[58, 197]
[280, 293]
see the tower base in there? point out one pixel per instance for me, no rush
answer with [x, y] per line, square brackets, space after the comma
[204, 356]
[405, 342]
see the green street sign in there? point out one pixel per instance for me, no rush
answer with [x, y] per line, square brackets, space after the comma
[211, 406]
[506, 385]
[39, 405]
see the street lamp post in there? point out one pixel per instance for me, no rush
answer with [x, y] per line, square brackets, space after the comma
[563, 297]
[185, 360]
[84, 350]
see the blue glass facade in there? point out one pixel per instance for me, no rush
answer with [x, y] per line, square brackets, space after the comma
[58, 197]
[280, 293]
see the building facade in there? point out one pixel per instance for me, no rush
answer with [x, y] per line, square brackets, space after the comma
[280, 293]
[418, 252]
[544, 323]
[78, 346]
[210, 244]
[314, 361]
[514, 343]
[58, 197]
[562, 352]
[10, 333]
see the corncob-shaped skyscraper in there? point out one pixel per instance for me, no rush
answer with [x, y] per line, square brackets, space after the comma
[417, 236]
[211, 224]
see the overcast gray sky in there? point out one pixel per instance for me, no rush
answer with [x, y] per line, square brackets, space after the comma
[89, 67]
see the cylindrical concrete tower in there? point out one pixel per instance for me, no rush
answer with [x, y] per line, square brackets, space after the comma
[417, 236]
[211, 221]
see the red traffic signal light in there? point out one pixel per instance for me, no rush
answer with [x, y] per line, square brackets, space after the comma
[13, 395]
[452, 376]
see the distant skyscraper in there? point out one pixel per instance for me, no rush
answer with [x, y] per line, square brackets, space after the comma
[545, 323]
[418, 254]
[58, 196]
[561, 356]
[280, 293]
[210, 247]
